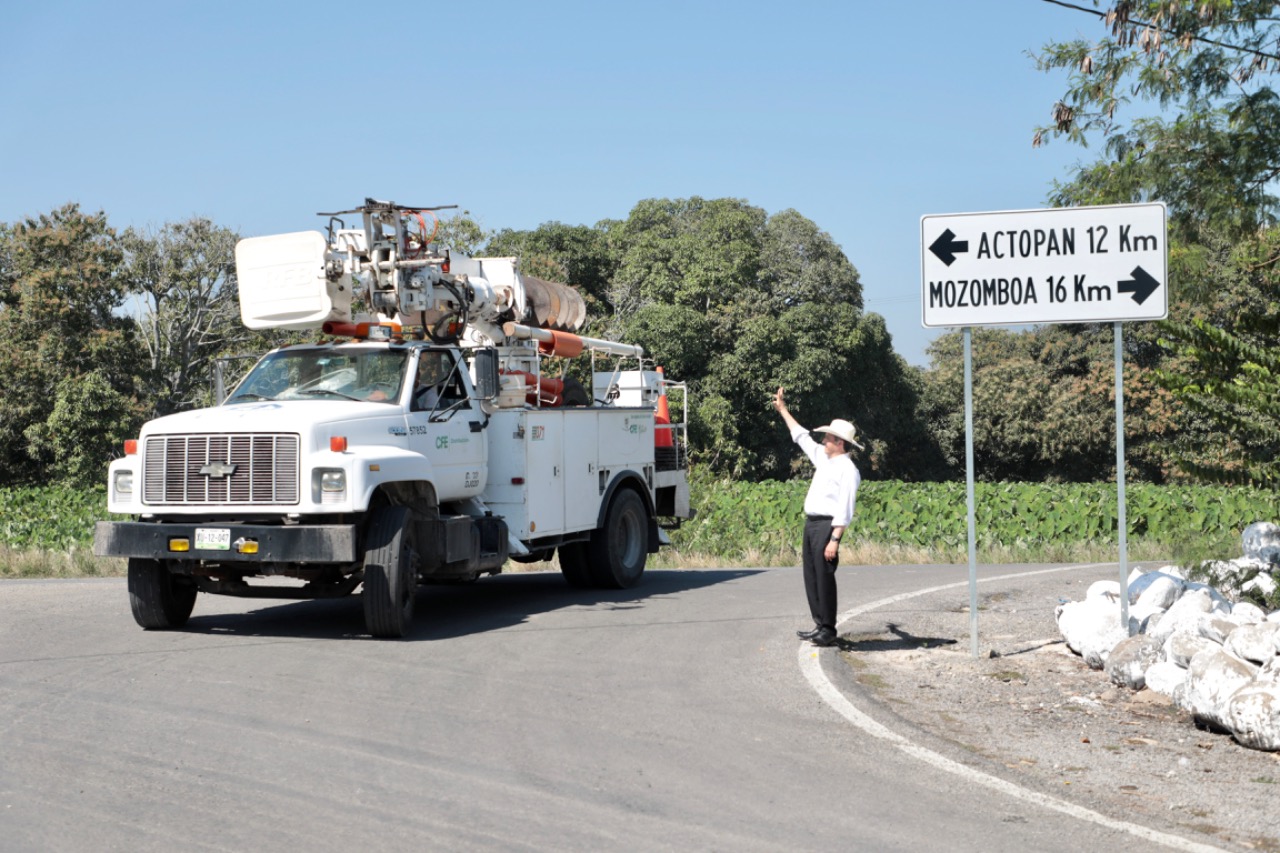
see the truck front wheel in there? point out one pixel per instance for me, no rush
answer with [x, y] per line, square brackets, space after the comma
[390, 583]
[159, 599]
[619, 549]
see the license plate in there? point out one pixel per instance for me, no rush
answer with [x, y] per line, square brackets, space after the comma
[213, 539]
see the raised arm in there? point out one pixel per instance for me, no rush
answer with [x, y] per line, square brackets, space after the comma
[781, 406]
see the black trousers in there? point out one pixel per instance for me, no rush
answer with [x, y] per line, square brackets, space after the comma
[819, 572]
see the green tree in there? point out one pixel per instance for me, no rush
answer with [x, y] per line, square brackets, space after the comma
[59, 291]
[87, 427]
[702, 254]
[1007, 403]
[183, 283]
[835, 363]
[1223, 366]
[741, 302]
[676, 336]
[799, 264]
[461, 232]
[1214, 153]
[1213, 157]
[1044, 406]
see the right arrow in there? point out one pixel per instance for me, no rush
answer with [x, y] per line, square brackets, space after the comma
[946, 247]
[1142, 285]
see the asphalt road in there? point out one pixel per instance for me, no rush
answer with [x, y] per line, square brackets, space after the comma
[520, 714]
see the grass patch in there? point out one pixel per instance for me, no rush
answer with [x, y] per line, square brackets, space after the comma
[72, 563]
[854, 661]
[1009, 675]
[872, 680]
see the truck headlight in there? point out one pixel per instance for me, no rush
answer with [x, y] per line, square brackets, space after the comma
[330, 485]
[122, 484]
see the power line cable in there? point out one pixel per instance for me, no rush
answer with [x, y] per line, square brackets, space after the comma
[1167, 31]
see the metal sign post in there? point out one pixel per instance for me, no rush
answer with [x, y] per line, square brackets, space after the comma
[1025, 267]
[1121, 518]
[970, 503]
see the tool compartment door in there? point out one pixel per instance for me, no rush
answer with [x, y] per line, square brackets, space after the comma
[545, 479]
[582, 469]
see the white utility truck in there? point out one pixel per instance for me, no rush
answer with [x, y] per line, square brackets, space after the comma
[418, 443]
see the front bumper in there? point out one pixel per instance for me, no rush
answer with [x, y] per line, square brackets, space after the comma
[302, 543]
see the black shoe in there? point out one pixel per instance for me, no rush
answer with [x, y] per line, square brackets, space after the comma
[808, 635]
[824, 637]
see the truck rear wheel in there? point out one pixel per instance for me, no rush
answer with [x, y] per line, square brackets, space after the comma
[160, 600]
[574, 564]
[619, 549]
[390, 583]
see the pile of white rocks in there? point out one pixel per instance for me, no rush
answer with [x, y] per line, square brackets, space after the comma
[1216, 659]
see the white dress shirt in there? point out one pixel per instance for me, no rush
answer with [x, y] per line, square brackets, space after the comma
[834, 489]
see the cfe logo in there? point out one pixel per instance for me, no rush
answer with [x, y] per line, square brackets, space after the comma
[442, 442]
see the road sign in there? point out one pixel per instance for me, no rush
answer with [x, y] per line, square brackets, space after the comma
[1061, 265]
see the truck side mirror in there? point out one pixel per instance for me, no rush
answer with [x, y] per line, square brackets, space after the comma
[485, 365]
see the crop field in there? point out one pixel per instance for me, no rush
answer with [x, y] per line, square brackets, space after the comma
[1020, 518]
[47, 531]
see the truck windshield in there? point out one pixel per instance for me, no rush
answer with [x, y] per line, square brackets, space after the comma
[327, 373]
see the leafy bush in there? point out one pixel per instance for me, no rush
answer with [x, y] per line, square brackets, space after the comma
[736, 518]
[50, 518]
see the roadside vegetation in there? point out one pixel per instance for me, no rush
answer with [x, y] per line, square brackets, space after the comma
[47, 531]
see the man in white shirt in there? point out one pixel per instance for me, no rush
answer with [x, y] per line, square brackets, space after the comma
[828, 509]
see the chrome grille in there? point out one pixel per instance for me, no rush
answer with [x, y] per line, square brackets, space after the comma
[266, 469]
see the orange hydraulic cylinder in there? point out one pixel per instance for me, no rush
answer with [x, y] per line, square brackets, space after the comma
[547, 388]
[562, 344]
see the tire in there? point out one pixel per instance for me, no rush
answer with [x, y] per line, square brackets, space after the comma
[618, 550]
[160, 600]
[390, 582]
[574, 564]
[574, 394]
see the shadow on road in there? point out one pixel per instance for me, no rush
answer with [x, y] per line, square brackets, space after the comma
[893, 638]
[448, 611]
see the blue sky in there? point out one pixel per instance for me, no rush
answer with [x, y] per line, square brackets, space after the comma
[861, 115]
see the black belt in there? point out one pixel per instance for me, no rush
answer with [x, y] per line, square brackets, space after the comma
[818, 517]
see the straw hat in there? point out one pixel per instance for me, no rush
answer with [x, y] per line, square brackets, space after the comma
[841, 428]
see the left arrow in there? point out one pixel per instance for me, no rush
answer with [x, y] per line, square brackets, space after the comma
[946, 247]
[1142, 285]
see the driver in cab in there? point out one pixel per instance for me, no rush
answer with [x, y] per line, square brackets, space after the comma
[433, 370]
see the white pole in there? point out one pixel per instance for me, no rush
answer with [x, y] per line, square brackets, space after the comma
[968, 457]
[548, 336]
[1122, 520]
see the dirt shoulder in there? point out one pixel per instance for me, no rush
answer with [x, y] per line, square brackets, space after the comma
[1029, 710]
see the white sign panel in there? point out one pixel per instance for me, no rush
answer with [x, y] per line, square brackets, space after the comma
[1062, 265]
